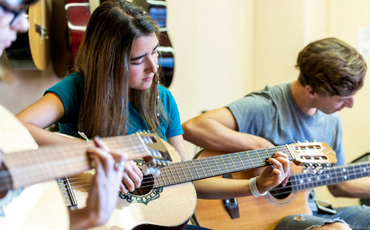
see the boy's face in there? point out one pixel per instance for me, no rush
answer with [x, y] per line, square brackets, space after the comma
[332, 104]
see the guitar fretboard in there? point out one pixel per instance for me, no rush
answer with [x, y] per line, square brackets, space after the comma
[50, 162]
[302, 181]
[202, 168]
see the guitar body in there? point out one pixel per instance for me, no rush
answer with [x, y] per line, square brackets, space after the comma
[169, 207]
[78, 14]
[35, 207]
[262, 213]
[38, 34]
[69, 21]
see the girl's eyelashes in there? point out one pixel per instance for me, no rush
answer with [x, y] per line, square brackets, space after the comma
[138, 62]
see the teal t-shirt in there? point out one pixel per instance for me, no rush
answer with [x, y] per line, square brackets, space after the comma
[71, 89]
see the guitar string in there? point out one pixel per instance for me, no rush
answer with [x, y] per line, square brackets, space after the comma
[49, 163]
[267, 150]
[230, 164]
[253, 151]
[43, 164]
[309, 178]
[299, 186]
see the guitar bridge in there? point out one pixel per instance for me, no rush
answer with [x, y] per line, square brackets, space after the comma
[67, 192]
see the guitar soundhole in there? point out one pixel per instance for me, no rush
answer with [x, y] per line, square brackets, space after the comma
[146, 186]
[282, 192]
[145, 193]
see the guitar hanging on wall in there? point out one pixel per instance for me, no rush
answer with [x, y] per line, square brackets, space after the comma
[69, 21]
[77, 13]
[31, 50]
[19, 53]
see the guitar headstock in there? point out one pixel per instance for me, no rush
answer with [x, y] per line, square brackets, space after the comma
[314, 156]
[158, 153]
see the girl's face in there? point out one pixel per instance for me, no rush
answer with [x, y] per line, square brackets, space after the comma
[8, 30]
[143, 62]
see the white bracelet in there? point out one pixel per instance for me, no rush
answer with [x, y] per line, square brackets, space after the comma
[253, 187]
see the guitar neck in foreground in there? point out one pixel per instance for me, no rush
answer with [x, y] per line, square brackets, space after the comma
[314, 154]
[34, 166]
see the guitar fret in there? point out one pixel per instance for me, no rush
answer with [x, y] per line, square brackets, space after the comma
[177, 174]
[189, 171]
[267, 153]
[330, 176]
[241, 161]
[246, 160]
[204, 168]
[215, 163]
[259, 157]
[183, 173]
[195, 170]
[249, 157]
[202, 173]
[209, 166]
[222, 159]
[232, 162]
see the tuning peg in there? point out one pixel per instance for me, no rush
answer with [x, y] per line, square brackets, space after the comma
[147, 170]
[150, 170]
[318, 169]
[309, 168]
[156, 172]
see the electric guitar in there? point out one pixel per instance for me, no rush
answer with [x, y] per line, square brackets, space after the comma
[23, 165]
[280, 202]
[169, 200]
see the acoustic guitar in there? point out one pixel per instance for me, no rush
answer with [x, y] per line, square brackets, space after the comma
[38, 33]
[69, 21]
[23, 165]
[280, 202]
[19, 53]
[31, 50]
[169, 200]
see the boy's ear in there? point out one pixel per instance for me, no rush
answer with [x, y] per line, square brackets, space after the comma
[309, 91]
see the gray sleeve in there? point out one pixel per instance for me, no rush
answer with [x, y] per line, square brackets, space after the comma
[253, 113]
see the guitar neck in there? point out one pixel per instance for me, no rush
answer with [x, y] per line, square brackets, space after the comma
[302, 181]
[191, 170]
[50, 162]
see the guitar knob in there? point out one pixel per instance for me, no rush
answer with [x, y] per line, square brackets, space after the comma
[319, 169]
[312, 170]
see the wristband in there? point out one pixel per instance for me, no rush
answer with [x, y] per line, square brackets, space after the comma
[253, 187]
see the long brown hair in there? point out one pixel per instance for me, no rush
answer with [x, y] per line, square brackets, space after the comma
[103, 60]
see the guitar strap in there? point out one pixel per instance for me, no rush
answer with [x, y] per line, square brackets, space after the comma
[231, 205]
